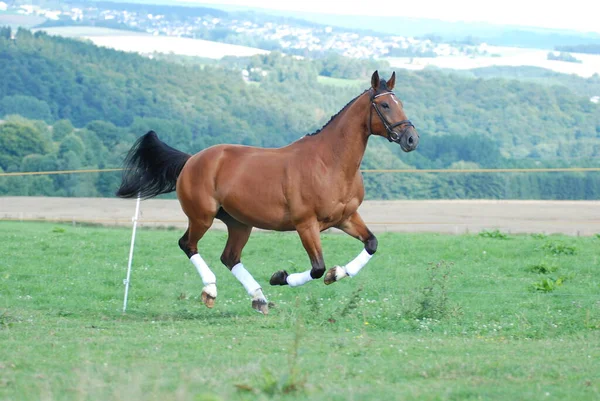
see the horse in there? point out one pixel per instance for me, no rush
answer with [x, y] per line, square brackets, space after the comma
[308, 186]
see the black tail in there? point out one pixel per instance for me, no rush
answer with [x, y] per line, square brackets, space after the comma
[151, 168]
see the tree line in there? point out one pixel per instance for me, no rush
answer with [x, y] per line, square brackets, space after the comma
[590, 48]
[72, 105]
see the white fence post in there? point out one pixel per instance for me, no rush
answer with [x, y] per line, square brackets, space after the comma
[126, 281]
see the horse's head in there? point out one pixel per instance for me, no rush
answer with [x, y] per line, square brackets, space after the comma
[388, 118]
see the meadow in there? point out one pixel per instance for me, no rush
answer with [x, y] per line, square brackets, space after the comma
[432, 317]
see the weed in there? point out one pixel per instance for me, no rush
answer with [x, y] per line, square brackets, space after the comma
[434, 302]
[291, 381]
[559, 248]
[539, 236]
[313, 306]
[496, 234]
[352, 302]
[5, 320]
[547, 284]
[542, 268]
[59, 230]
[348, 307]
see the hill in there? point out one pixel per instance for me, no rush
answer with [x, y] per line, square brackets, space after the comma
[499, 35]
[112, 97]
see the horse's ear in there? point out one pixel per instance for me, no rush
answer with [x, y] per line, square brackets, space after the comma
[375, 80]
[392, 81]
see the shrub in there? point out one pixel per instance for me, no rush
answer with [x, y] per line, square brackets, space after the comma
[493, 234]
[559, 248]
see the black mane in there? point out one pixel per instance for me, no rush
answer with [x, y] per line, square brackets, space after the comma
[336, 114]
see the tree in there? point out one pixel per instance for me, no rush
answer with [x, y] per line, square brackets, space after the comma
[18, 141]
[32, 162]
[71, 143]
[95, 151]
[60, 129]
[27, 106]
[108, 133]
[5, 32]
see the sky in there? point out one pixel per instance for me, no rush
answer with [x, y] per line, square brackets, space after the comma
[580, 15]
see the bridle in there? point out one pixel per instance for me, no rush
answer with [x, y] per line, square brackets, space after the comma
[393, 136]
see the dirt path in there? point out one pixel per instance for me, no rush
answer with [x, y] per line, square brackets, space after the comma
[567, 217]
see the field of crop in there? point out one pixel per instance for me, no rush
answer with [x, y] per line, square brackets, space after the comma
[505, 56]
[144, 43]
[432, 317]
[18, 20]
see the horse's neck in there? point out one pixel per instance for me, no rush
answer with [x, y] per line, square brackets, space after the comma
[345, 139]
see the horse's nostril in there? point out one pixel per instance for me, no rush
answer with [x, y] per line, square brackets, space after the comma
[410, 140]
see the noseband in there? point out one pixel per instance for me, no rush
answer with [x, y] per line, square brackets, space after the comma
[393, 136]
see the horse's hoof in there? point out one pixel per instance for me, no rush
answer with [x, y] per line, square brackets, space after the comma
[279, 278]
[330, 276]
[208, 300]
[259, 302]
[209, 294]
[334, 274]
[260, 305]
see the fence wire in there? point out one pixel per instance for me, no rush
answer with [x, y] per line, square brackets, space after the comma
[367, 171]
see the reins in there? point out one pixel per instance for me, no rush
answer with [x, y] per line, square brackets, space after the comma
[393, 136]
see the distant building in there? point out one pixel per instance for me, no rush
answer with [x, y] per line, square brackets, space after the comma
[595, 99]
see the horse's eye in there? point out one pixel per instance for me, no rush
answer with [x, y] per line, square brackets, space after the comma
[385, 105]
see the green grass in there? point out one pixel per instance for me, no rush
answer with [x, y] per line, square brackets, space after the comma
[408, 327]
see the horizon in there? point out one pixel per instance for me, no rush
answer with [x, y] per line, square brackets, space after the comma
[533, 13]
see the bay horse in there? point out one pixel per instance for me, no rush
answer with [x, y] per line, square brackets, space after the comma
[308, 186]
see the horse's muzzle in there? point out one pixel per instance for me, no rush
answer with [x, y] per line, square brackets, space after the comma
[409, 139]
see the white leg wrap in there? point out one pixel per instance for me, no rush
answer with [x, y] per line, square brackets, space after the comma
[208, 277]
[244, 277]
[340, 273]
[258, 295]
[297, 279]
[357, 263]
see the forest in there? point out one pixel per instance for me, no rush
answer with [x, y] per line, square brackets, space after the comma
[70, 105]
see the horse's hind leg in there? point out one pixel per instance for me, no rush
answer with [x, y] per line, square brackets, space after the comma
[189, 244]
[238, 234]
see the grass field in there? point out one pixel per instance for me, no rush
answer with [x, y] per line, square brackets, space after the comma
[432, 317]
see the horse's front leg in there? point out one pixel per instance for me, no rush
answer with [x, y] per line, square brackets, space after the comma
[356, 227]
[311, 240]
